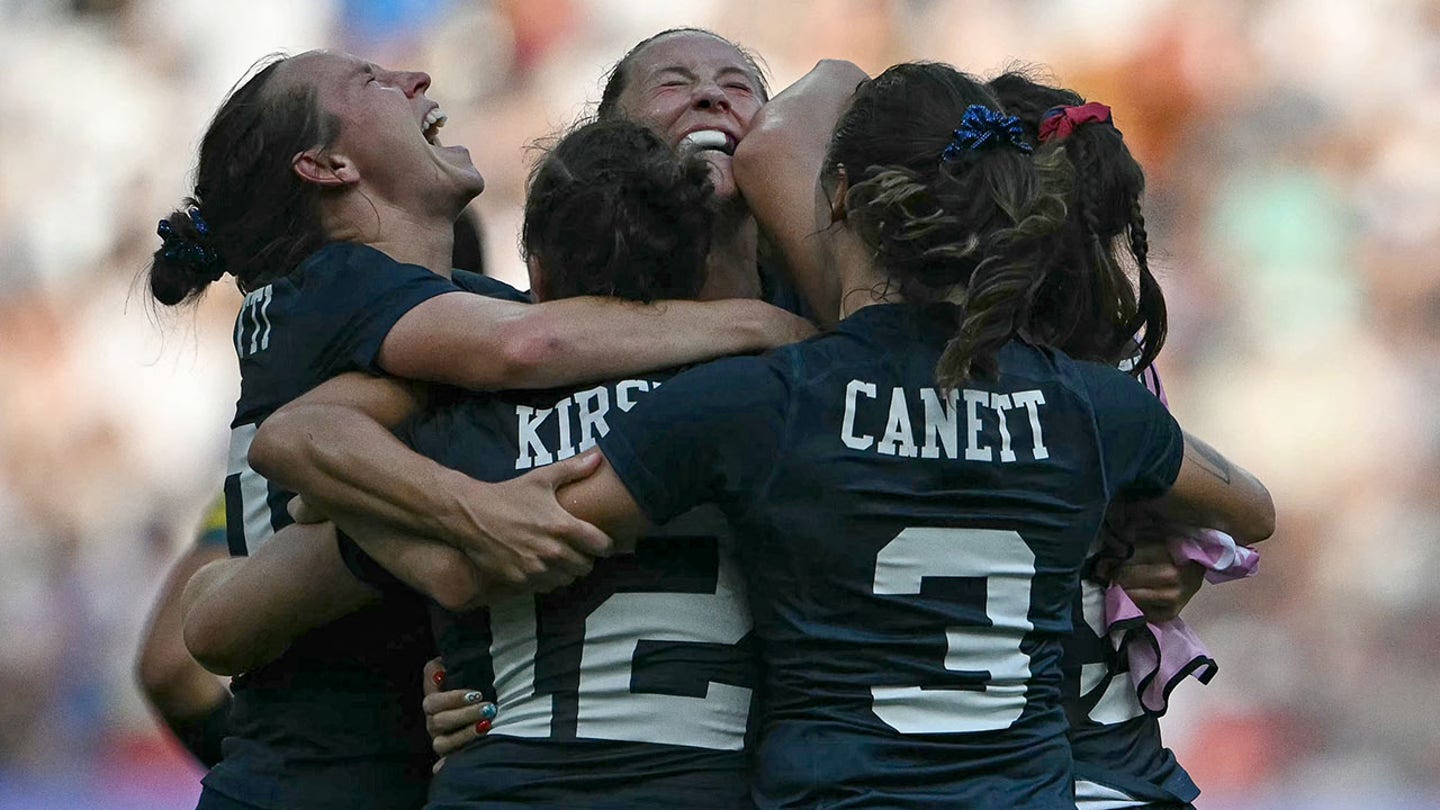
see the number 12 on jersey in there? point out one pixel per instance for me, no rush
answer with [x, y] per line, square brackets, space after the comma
[647, 649]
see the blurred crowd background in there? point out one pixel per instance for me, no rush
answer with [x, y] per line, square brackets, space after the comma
[1294, 214]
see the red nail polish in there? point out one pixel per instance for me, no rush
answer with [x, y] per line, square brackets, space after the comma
[482, 727]
[439, 678]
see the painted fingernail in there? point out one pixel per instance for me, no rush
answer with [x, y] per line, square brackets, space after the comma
[473, 697]
[438, 677]
[482, 727]
[488, 711]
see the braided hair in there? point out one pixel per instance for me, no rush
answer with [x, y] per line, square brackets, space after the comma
[1094, 309]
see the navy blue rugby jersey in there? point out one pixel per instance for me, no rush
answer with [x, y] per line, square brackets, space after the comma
[327, 317]
[334, 722]
[911, 556]
[1120, 760]
[630, 688]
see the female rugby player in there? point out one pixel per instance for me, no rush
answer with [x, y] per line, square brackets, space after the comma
[323, 188]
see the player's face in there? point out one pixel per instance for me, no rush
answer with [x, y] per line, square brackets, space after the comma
[387, 131]
[688, 83]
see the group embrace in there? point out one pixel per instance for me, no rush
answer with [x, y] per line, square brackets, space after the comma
[804, 476]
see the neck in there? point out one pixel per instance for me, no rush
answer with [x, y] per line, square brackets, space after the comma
[730, 270]
[862, 281]
[427, 240]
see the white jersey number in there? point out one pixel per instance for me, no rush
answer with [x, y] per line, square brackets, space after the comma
[614, 696]
[1008, 566]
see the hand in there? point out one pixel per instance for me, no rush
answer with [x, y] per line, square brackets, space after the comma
[1159, 586]
[455, 718]
[523, 537]
[302, 511]
[434, 673]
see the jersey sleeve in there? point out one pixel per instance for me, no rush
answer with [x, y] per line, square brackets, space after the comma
[353, 299]
[1141, 444]
[711, 434]
[488, 287]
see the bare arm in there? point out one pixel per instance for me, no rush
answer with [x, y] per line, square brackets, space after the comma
[188, 699]
[334, 446]
[244, 612]
[441, 572]
[777, 167]
[603, 501]
[1213, 492]
[487, 344]
[169, 677]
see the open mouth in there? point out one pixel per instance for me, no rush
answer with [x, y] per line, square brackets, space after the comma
[709, 139]
[430, 126]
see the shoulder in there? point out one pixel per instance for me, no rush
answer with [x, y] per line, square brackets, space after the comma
[451, 416]
[337, 256]
[488, 287]
[1042, 363]
[1106, 382]
[737, 382]
[719, 398]
[711, 405]
[357, 283]
[352, 264]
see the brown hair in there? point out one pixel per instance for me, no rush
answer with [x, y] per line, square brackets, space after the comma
[975, 226]
[1106, 230]
[256, 219]
[613, 210]
[618, 77]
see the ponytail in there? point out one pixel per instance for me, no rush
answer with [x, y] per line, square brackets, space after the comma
[249, 215]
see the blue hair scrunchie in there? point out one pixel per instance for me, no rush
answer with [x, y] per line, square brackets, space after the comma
[195, 255]
[982, 128]
[201, 226]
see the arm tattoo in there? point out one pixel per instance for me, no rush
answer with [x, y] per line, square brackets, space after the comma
[1207, 458]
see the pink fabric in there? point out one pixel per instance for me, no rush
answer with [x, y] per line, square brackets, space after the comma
[1161, 655]
[1218, 552]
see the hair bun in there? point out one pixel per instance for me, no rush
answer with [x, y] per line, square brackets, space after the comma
[185, 238]
[187, 260]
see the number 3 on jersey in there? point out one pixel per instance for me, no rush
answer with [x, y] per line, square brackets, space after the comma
[989, 653]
